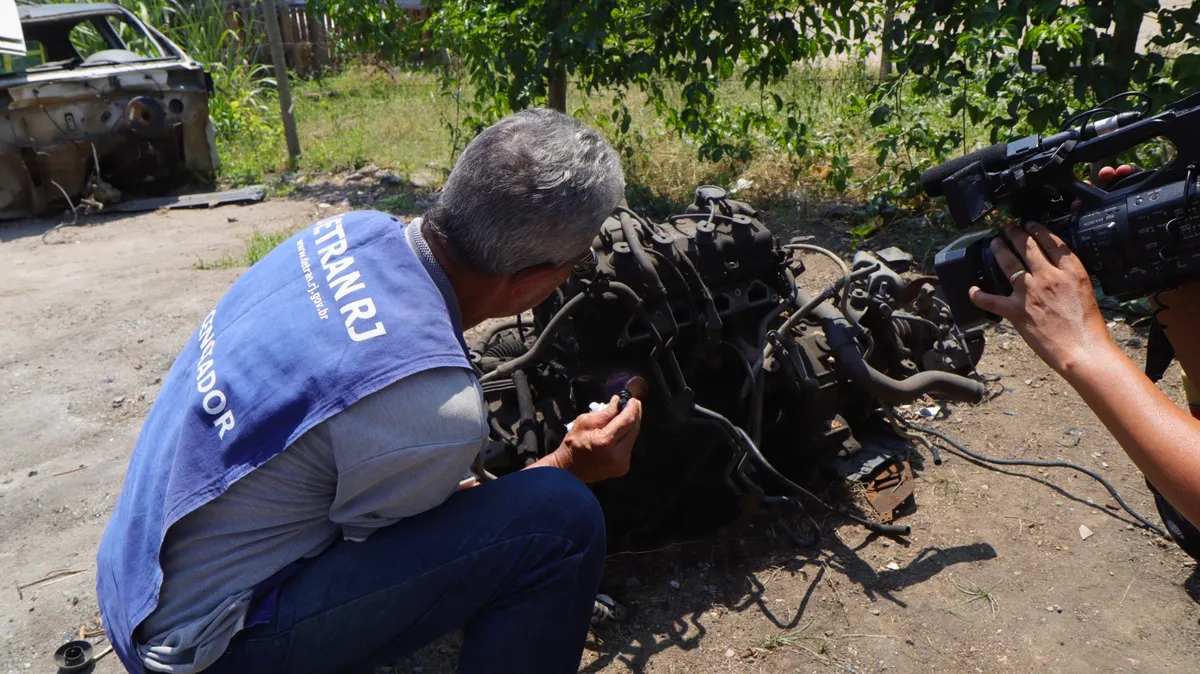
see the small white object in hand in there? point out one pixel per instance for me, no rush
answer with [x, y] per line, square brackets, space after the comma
[592, 407]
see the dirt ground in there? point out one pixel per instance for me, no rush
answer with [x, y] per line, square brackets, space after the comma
[995, 577]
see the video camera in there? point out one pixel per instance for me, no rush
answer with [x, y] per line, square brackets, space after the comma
[1138, 238]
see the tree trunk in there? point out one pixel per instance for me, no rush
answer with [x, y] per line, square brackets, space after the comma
[556, 70]
[885, 51]
[1127, 15]
[558, 86]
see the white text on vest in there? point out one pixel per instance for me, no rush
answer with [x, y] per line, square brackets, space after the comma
[343, 280]
[215, 400]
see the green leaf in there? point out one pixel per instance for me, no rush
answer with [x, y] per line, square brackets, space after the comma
[1186, 69]
[726, 67]
[957, 105]
[881, 115]
[995, 83]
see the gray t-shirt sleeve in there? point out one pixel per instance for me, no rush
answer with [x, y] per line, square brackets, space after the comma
[404, 449]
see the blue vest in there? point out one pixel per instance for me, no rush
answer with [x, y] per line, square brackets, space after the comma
[337, 312]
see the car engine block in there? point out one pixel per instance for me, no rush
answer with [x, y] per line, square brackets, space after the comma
[753, 390]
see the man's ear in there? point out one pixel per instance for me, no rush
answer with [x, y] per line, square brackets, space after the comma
[537, 282]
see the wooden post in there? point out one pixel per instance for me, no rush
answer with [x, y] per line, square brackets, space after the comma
[304, 43]
[271, 18]
[284, 17]
[318, 39]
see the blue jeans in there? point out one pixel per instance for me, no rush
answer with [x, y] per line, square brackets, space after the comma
[516, 563]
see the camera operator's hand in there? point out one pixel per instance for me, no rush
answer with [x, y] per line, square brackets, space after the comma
[1108, 175]
[1052, 304]
[599, 444]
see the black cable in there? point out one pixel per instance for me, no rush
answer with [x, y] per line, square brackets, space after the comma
[961, 450]
[741, 438]
[1086, 115]
[1131, 94]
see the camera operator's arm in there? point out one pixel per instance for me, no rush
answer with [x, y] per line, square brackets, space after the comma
[1053, 308]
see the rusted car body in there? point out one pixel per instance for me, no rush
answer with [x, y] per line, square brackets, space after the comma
[101, 101]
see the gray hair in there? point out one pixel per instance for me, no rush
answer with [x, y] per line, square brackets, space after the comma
[531, 189]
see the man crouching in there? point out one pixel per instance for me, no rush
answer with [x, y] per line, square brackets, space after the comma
[293, 504]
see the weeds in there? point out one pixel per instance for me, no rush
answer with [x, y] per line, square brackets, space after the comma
[226, 261]
[258, 245]
[398, 204]
[977, 593]
[789, 638]
[796, 639]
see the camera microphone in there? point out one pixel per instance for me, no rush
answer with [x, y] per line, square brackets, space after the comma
[996, 157]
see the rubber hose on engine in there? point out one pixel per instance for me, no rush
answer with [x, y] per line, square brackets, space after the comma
[527, 430]
[654, 284]
[893, 391]
[505, 349]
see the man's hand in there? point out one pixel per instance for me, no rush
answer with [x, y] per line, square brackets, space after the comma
[1052, 304]
[599, 443]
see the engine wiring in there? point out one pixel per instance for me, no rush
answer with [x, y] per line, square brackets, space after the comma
[844, 303]
[956, 447]
[742, 439]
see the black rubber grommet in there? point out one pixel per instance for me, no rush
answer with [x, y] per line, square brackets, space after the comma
[73, 656]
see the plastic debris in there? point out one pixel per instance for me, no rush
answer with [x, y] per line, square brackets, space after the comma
[740, 185]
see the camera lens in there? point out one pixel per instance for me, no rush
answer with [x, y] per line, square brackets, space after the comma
[992, 278]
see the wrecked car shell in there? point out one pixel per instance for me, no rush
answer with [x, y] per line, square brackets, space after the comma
[103, 124]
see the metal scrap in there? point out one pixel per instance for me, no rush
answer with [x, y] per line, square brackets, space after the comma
[206, 200]
[890, 488]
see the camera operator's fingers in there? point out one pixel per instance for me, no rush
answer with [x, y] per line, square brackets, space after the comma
[1053, 246]
[1004, 306]
[1109, 174]
[1028, 249]
[1008, 261]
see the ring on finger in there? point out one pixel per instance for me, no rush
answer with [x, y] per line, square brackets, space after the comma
[1012, 278]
